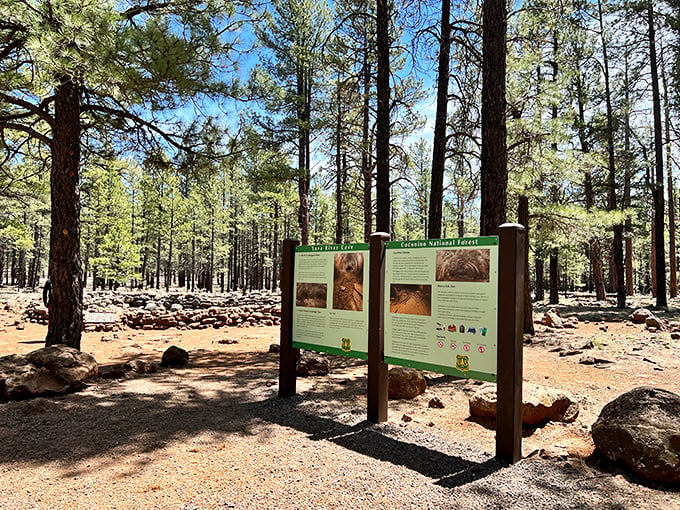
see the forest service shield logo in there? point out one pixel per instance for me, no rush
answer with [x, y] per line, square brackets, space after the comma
[346, 344]
[462, 362]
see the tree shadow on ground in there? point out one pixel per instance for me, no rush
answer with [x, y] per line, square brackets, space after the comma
[607, 467]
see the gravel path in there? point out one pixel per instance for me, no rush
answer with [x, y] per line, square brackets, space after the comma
[216, 436]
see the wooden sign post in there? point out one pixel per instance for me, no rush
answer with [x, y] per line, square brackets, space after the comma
[512, 246]
[288, 355]
[377, 368]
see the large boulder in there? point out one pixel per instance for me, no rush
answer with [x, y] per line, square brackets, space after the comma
[540, 404]
[54, 369]
[641, 428]
[405, 383]
[175, 357]
[552, 319]
[640, 315]
[311, 363]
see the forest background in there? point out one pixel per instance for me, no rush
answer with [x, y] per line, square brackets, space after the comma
[208, 132]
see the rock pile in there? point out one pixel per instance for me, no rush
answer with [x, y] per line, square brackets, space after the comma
[149, 310]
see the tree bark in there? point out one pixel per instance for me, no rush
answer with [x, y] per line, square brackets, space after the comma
[439, 140]
[554, 278]
[617, 248]
[65, 265]
[523, 219]
[540, 284]
[382, 141]
[494, 174]
[672, 262]
[366, 165]
[660, 265]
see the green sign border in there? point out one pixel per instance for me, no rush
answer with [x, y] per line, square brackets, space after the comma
[458, 242]
[441, 369]
[332, 247]
[330, 350]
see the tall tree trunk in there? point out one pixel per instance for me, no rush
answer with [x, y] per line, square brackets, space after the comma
[382, 139]
[366, 150]
[304, 175]
[168, 265]
[627, 177]
[523, 219]
[494, 172]
[540, 284]
[439, 141]
[617, 246]
[66, 273]
[595, 251]
[660, 266]
[339, 173]
[158, 247]
[554, 278]
[652, 259]
[672, 262]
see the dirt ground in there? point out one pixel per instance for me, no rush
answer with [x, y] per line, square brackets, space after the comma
[628, 356]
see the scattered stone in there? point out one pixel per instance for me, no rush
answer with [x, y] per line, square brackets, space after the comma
[604, 328]
[435, 403]
[106, 339]
[116, 371]
[641, 428]
[540, 404]
[274, 348]
[405, 383]
[570, 323]
[20, 326]
[640, 315]
[552, 319]
[311, 363]
[654, 322]
[406, 418]
[175, 357]
[140, 366]
[53, 369]
[675, 336]
[151, 306]
[649, 361]
[570, 352]
[589, 360]
[227, 341]
[588, 345]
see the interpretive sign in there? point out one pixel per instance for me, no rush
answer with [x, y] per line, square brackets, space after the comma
[330, 304]
[441, 302]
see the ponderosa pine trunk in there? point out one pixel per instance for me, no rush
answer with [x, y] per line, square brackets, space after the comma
[523, 219]
[494, 172]
[65, 265]
[658, 191]
[617, 247]
[439, 140]
[382, 137]
[554, 277]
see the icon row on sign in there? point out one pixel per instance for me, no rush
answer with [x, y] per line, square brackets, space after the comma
[466, 347]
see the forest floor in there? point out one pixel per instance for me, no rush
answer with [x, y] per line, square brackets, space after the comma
[215, 435]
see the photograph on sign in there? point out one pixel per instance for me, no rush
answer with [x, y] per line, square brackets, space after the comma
[348, 281]
[311, 295]
[331, 299]
[442, 297]
[463, 265]
[411, 299]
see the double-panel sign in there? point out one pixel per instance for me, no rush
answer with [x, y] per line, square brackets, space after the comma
[330, 302]
[441, 305]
